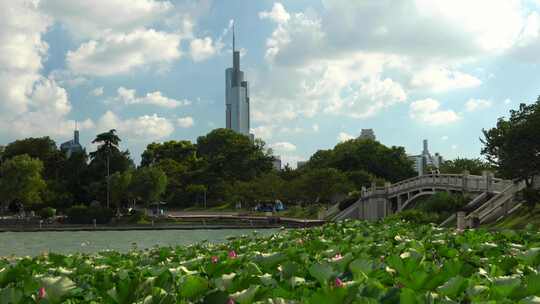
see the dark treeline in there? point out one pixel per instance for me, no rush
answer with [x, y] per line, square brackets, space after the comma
[221, 167]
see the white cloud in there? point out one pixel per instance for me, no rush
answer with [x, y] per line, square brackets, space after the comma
[292, 160]
[264, 132]
[129, 97]
[97, 91]
[278, 14]
[342, 136]
[428, 111]
[142, 128]
[283, 146]
[319, 60]
[352, 86]
[315, 128]
[185, 122]
[507, 101]
[203, 48]
[444, 138]
[120, 53]
[477, 104]
[441, 79]
[31, 104]
[91, 18]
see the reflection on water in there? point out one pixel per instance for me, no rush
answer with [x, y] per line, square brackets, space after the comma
[34, 243]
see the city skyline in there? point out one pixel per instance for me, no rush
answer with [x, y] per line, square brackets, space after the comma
[154, 70]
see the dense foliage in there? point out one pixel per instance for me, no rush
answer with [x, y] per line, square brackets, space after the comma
[475, 166]
[348, 262]
[514, 144]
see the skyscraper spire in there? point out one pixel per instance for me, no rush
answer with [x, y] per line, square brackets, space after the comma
[233, 46]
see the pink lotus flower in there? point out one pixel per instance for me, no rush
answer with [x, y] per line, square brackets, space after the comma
[215, 259]
[337, 257]
[231, 301]
[42, 293]
[338, 282]
[232, 254]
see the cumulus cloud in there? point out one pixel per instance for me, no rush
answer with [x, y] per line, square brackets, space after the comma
[97, 91]
[203, 48]
[129, 97]
[120, 53]
[264, 132]
[91, 18]
[342, 136]
[283, 146]
[428, 111]
[320, 62]
[441, 79]
[185, 122]
[278, 14]
[477, 104]
[30, 102]
[142, 128]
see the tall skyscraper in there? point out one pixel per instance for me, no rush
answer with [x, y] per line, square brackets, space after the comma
[236, 96]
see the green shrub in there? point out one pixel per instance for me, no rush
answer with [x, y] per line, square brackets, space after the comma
[47, 212]
[442, 203]
[137, 216]
[81, 214]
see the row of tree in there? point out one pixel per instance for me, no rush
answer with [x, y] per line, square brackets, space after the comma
[224, 166]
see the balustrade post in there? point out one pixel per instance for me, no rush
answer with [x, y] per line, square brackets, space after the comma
[465, 180]
[461, 220]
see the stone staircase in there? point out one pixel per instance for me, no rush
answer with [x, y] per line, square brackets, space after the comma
[497, 207]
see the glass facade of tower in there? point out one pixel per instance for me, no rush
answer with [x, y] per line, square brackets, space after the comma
[236, 98]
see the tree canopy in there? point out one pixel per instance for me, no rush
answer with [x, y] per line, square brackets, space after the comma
[514, 144]
[21, 180]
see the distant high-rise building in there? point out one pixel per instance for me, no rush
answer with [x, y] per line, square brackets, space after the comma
[425, 160]
[236, 96]
[72, 146]
[276, 163]
[367, 134]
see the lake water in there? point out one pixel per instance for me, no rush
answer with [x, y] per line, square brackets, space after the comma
[34, 243]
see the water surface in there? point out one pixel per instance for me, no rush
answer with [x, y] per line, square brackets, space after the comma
[34, 243]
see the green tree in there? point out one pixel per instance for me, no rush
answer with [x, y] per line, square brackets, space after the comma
[178, 177]
[228, 157]
[389, 163]
[475, 166]
[120, 187]
[196, 192]
[360, 178]
[148, 184]
[514, 145]
[183, 152]
[106, 160]
[21, 180]
[320, 185]
[42, 148]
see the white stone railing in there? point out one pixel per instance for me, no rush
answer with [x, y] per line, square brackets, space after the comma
[467, 183]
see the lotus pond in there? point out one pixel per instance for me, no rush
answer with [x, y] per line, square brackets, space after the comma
[348, 262]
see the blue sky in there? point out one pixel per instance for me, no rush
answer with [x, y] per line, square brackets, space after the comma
[319, 70]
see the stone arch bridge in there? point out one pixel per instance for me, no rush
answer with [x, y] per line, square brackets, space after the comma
[378, 202]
